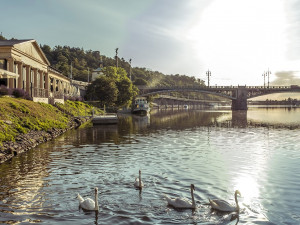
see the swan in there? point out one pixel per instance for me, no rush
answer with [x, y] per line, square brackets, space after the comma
[138, 181]
[183, 203]
[224, 206]
[232, 216]
[89, 204]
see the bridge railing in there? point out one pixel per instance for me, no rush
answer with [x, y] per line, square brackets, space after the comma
[231, 87]
[270, 87]
[144, 87]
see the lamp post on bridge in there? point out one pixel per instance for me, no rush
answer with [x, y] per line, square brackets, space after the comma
[264, 75]
[208, 74]
[268, 74]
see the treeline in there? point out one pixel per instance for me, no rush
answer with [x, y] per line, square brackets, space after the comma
[61, 58]
[289, 101]
[84, 61]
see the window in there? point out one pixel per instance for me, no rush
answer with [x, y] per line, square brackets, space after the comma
[3, 64]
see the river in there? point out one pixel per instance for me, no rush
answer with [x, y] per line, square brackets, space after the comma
[256, 152]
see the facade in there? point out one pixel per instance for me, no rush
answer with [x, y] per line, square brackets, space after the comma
[97, 72]
[23, 65]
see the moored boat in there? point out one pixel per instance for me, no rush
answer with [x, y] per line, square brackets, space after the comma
[140, 106]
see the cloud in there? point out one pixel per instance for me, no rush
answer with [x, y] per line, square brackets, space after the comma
[293, 31]
[286, 78]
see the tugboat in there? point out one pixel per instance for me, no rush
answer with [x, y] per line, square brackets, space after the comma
[140, 106]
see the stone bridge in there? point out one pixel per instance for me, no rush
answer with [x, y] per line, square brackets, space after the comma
[237, 94]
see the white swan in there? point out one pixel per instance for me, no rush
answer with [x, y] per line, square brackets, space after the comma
[224, 206]
[89, 204]
[232, 216]
[138, 181]
[183, 203]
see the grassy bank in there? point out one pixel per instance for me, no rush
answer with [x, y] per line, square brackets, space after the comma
[19, 116]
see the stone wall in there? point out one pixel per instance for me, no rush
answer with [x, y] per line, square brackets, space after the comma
[25, 142]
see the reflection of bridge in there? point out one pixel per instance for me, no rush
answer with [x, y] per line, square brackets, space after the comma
[238, 94]
[167, 101]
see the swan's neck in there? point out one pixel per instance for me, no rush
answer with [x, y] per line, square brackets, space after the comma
[96, 202]
[193, 200]
[237, 221]
[140, 180]
[236, 202]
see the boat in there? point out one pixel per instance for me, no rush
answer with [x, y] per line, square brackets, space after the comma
[140, 106]
[105, 119]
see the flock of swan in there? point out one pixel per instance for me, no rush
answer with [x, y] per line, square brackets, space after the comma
[179, 203]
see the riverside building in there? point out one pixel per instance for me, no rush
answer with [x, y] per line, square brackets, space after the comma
[23, 65]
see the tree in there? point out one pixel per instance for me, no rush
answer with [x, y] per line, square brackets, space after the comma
[111, 72]
[126, 92]
[2, 38]
[140, 81]
[103, 89]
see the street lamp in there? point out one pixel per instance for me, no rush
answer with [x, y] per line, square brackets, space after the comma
[130, 69]
[264, 75]
[117, 49]
[208, 74]
[268, 74]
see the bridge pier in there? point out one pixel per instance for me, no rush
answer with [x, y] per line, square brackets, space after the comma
[240, 103]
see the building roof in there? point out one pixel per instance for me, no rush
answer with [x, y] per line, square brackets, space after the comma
[13, 42]
[99, 69]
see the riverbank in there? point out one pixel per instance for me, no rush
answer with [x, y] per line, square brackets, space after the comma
[25, 124]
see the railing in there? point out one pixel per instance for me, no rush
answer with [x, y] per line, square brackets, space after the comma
[144, 87]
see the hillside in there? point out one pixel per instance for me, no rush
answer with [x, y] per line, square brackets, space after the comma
[20, 116]
[61, 58]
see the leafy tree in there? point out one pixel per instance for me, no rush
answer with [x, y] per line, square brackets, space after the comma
[126, 92]
[140, 81]
[103, 89]
[2, 38]
[111, 72]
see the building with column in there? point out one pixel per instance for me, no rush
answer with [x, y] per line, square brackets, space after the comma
[23, 65]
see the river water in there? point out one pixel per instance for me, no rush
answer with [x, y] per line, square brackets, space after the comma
[256, 152]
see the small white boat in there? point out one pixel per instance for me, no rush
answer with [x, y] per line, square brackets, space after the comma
[105, 119]
[140, 106]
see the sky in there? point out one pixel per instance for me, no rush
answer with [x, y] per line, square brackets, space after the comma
[237, 40]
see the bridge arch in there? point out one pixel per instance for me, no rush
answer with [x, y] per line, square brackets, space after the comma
[220, 94]
[238, 94]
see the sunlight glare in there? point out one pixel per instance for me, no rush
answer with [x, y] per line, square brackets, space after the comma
[248, 188]
[246, 36]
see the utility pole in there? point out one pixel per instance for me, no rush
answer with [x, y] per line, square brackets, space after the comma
[88, 75]
[117, 57]
[71, 76]
[268, 74]
[208, 74]
[130, 69]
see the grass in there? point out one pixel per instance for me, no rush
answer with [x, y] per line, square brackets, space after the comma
[19, 116]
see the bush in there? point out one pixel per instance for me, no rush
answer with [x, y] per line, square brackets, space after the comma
[3, 90]
[19, 93]
[73, 98]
